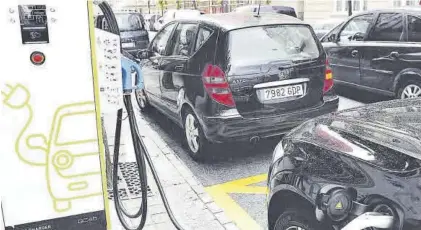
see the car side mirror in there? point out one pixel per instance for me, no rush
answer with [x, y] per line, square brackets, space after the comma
[332, 38]
[144, 54]
[184, 52]
[357, 37]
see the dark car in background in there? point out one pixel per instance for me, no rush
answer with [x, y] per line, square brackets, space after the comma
[133, 31]
[379, 51]
[267, 9]
[334, 168]
[236, 77]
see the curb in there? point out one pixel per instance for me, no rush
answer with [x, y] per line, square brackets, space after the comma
[186, 174]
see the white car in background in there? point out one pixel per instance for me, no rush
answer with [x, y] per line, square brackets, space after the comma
[150, 20]
[176, 14]
[324, 26]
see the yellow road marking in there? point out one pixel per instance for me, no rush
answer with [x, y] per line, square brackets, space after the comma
[220, 194]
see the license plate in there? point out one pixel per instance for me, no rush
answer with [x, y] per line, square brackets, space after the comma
[282, 92]
[128, 45]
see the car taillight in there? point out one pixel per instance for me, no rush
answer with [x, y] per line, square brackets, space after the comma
[217, 86]
[328, 83]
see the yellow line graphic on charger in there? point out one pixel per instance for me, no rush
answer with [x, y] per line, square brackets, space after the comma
[68, 154]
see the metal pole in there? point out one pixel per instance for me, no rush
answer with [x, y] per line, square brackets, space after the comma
[349, 7]
[149, 6]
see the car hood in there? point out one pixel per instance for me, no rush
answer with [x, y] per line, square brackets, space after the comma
[385, 134]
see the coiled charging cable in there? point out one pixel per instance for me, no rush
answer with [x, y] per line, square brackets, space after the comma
[141, 153]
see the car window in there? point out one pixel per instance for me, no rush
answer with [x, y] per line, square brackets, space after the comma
[267, 43]
[388, 27]
[104, 24]
[414, 29]
[184, 38]
[202, 37]
[160, 42]
[356, 25]
[129, 22]
[333, 31]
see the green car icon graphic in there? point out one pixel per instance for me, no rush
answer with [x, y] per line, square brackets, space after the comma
[70, 153]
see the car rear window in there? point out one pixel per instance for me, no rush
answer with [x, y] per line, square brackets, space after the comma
[274, 42]
[129, 22]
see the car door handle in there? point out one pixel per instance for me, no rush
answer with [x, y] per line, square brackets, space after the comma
[354, 53]
[394, 55]
[179, 67]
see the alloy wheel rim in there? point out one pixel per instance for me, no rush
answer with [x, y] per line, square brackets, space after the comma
[192, 133]
[295, 228]
[411, 91]
[142, 103]
[141, 99]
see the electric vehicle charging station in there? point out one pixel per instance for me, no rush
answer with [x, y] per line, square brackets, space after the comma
[52, 163]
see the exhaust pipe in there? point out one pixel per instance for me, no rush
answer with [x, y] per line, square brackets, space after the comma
[254, 140]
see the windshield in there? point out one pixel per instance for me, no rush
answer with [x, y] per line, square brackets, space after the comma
[278, 42]
[66, 130]
[129, 22]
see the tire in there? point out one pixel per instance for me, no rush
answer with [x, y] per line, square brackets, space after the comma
[142, 100]
[194, 136]
[409, 89]
[294, 219]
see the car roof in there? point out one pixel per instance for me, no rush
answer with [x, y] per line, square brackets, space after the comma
[408, 10]
[272, 6]
[237, 20]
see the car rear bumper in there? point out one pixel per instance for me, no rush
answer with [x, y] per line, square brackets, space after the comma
[232, 126]
[135, 50]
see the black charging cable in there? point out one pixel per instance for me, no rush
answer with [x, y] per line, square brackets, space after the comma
[141, 153]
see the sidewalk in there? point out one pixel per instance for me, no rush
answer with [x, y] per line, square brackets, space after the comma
[191, 205]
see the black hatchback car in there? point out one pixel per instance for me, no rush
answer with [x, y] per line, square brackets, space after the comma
[236, 76]
[357, 169]
[379, 51]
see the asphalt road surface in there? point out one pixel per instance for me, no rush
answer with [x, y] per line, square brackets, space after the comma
[234, 165]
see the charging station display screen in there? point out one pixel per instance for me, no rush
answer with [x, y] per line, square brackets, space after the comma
[33, 22]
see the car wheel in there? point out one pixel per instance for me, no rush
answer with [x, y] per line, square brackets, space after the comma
[410, 89]
[195, 139]
[142, 101]
[294, 219]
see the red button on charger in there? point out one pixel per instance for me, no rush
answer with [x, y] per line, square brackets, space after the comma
[37, 58]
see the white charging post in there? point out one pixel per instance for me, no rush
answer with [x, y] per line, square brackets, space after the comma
[51, 152]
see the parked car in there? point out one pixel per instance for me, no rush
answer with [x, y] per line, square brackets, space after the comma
[379, 51]
[172, 14]
[235, 77]
[335, 169]
[321, 28]
[133, 33]
[267, 9]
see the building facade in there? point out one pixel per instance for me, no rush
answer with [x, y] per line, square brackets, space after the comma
[315, 10]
